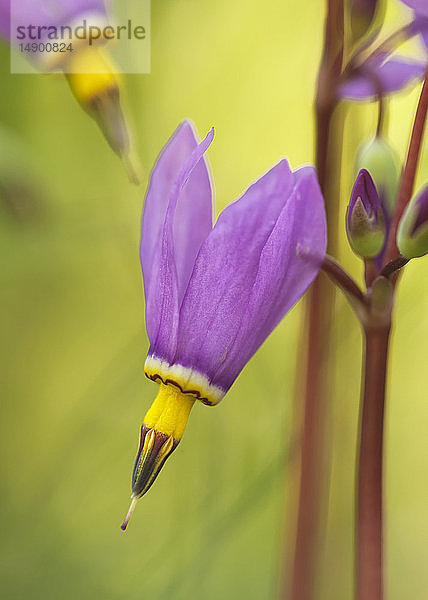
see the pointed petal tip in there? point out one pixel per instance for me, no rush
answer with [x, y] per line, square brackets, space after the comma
[129, 513]
[283, 163]
[208, 138]
[363, 173]
[189, 125]
[132, 169]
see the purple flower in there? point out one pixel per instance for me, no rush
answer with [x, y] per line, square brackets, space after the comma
[380, 75]
[40, 13]
[213, 294]
[92, 79]
[420, 8]
[365, 220]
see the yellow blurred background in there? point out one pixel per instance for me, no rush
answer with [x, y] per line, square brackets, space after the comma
[216, 524]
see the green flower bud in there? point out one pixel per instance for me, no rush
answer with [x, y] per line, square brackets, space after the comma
[365, 222]
[382, 162]
[412, 235]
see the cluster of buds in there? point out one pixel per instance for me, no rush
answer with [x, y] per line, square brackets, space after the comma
[372, 205]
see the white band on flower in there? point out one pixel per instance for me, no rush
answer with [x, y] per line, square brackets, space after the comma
[188, 380]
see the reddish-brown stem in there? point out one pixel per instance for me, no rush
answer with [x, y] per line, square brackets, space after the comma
[395, 265]
[342, 279]
[370, 271]
[409, 173]
[314, 363]
[395, 39]
[369, 530]
[312, 461]
[369, 494]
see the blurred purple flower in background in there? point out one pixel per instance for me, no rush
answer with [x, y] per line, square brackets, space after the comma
[213, 294]
[40, 13]
[91, 76]
[420, 8]
[381, 74]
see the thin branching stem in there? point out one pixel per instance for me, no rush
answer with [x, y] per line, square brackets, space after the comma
[369, 525]
[342, 279]
[409, 173]
[395, 265]
[365, 53]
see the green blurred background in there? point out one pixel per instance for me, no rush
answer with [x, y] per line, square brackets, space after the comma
[217, 524]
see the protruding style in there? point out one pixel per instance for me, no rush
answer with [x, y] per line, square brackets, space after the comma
[99, 94]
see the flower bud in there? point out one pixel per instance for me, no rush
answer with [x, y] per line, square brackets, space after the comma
[382, 162]
[412, 235]
[365, 223]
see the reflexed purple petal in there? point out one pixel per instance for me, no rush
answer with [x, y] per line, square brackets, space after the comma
[55, 13]
[194, 209]
[225, 271]
[289, 262]
[75, 8]
[230, 283]
[419, 6]
[177, 218]
[425, 37]
[393, 75]
[30, 12]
